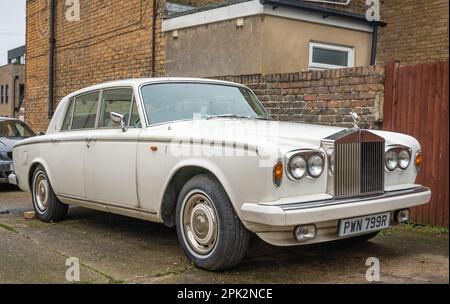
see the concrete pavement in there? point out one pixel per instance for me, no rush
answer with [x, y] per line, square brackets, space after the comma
[117, 249]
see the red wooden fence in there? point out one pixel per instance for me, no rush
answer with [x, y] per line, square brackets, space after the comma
[416, 103]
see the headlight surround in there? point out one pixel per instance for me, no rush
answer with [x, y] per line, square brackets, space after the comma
[404, 159]
[391, 160]
[315, 165]
[305, 163]
[398, 157]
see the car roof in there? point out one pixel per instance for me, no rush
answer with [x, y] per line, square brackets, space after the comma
[140, 81]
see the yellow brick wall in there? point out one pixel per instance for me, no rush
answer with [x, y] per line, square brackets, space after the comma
[90, 51]
[417, 31]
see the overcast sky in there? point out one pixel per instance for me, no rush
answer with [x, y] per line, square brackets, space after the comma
[12, 26]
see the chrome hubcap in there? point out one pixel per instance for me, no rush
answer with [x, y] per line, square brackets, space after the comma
[41, 192]
[200, 223]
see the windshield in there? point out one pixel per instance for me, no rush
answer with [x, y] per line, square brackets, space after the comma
[15, 129]
[186, 101]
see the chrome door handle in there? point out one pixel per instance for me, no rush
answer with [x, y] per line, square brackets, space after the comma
[53, 141]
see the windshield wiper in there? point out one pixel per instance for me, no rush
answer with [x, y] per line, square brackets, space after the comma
[232, 115]
[261, 117]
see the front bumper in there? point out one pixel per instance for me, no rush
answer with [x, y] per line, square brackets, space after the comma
[333, 209]
[275, 223]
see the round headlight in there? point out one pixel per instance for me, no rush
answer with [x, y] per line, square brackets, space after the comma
[297, 167]
[404, 159]
[315, 166]
[391, 160]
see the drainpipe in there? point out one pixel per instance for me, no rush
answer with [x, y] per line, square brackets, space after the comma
[154, 19]
[51, 64]
[373, 55]
[14, 96]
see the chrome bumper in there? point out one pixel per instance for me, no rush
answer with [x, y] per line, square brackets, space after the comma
[333, 209]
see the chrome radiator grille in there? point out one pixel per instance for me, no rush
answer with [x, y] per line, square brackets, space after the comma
[358, 164]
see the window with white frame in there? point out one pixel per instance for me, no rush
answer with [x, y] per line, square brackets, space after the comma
[328, 56]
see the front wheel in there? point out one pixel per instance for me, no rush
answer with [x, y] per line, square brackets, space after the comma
[46, 205]
[208, 228]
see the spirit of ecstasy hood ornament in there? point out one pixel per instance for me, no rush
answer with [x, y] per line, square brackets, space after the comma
[356, 119]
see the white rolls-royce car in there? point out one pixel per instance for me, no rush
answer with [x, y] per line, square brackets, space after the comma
[205, 156]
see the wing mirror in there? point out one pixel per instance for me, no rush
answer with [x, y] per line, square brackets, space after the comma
[119, 120]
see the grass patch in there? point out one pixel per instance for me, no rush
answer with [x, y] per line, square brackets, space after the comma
[426, 228]
[9, 228]
[174, 271]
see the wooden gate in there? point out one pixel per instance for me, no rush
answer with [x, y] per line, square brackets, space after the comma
[416, 103]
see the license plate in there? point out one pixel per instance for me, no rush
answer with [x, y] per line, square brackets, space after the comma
[364, 224]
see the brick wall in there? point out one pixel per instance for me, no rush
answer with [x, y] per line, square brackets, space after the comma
[92, 51]
[417, 31]
[7, 74]
[322, 97]
[89, 51]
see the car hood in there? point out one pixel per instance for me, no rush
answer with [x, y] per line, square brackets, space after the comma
[7, 144]
[256, 132]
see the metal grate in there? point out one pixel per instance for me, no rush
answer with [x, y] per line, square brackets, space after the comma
[358, 164]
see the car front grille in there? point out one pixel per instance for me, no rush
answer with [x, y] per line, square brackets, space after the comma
[358, 168]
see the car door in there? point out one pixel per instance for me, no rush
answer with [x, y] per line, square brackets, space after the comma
[110, 159]
[66, 152]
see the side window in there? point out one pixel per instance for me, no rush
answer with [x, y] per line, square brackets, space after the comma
[118, 101]
[135, 121]
[68, 119]
[85, 111]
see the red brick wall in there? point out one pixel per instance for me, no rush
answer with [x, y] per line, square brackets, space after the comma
[323, 97]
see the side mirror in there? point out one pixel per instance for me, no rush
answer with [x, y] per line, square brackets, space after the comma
[119, 120]
[40, 134]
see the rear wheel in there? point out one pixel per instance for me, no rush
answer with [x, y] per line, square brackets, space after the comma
[46, 205]
[209, 230]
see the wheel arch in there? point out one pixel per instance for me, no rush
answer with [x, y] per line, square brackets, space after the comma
[33, 165]
[177, 180]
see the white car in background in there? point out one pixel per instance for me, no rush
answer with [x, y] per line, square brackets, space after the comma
[205, 156]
